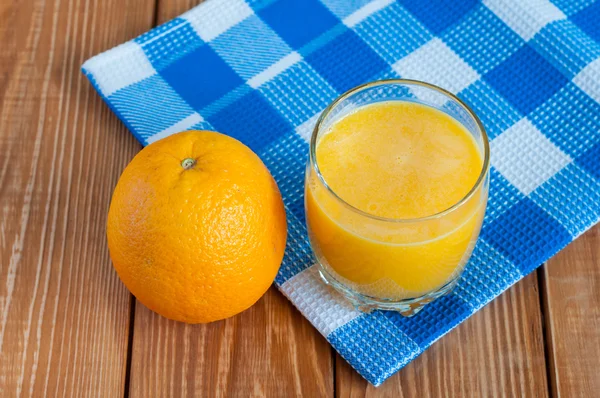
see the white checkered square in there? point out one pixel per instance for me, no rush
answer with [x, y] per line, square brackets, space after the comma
[182, 125]
[588, 79]
[437, 64]
[306, 129]
[365, 11]
[325, 308]
[123, 66]
[527, 17]
[284, 63]
[525, 157]
[216, 16]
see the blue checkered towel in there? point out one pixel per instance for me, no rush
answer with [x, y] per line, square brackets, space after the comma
[262, 71]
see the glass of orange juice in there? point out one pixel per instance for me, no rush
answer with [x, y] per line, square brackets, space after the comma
[396, 190]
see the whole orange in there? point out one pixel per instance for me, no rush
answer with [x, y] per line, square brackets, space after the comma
[196, 227]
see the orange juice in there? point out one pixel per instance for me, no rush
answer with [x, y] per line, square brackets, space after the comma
[402, 208]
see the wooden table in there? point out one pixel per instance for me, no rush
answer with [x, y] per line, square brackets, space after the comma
[69, 327]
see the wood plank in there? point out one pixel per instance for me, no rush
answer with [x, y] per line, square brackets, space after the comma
[571, 287]
[499, 351]
[169, 9]
[268, 350]
[63, 312]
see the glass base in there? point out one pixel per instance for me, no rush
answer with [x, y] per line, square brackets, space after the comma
[406, 307]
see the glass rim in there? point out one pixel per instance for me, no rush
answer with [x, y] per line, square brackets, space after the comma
[480, 179]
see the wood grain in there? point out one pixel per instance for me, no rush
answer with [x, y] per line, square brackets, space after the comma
[63, 312]
[571, 286]
[169, 9]
[498, 352]
[268, 350]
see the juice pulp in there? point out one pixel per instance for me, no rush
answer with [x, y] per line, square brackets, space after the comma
[403, 161]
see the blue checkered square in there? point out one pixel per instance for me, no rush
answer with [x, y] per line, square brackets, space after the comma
[566, 47]
[486, 273]
[323, 40]
[388, 74]
[502, 196]
[437, 15]
[590, 161]
[570, 130]
[570, 7]
[203, 125]
[251, 113]
[148, 94]
[588, 19]
[298, 22]
[449, 310]
[526, 235]
[482, 39]
[339, 63]
[393, 33]
[342, 9]
[579, 189]
[159, 31]
[168, 47]
[250, 47]
[203, 71]
[226, 100]
[286, 160]
[298, 254]
[298, 93]
[257, 5]
[296, 207]
[398, 348]
[495, 112]
[518, 80]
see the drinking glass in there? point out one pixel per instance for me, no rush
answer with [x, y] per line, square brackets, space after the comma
[390, 254]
